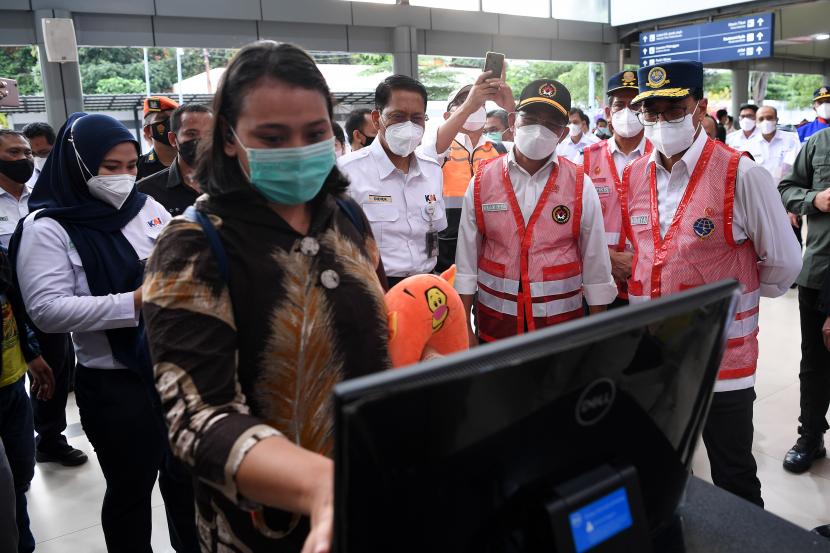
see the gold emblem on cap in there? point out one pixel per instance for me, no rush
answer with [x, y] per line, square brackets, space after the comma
[547, 90]
[160, 127]
[657, 77]
[629, 78]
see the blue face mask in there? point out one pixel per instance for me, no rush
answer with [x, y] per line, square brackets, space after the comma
[290, 176]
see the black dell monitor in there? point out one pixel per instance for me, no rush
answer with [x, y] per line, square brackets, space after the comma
[576, 438]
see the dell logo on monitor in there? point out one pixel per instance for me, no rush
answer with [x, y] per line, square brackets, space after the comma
[595, 401]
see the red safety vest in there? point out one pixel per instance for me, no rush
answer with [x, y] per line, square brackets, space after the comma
[698, 248]
[529, 276]
[599, 165]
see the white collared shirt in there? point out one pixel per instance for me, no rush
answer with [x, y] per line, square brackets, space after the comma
[401, 207]
[33, 179]
[776, 155]
[621, 159]
[11, 211]
[597, 284]
[56, 292]
[739, 140]
[573, 150]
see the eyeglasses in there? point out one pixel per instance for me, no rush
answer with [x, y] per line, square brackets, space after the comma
[527, 119]
[674, 114]
[398, 117]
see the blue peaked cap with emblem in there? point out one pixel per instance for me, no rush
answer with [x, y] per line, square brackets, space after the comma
[624, 80]
[675, 79]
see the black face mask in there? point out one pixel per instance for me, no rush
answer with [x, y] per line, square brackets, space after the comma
[187, 151]
[368, 141]
[159, 131]
[19, 170]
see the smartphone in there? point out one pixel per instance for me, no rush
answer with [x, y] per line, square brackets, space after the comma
[9, 94]
[494, 62]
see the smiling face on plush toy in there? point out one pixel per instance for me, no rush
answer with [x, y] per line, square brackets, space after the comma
[437, 303]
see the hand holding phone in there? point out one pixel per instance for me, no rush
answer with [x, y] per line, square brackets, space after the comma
[9, 94]
[494, 62]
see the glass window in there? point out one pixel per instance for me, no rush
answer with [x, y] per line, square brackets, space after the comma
[466, 5]
[531, 8]
[581, 10]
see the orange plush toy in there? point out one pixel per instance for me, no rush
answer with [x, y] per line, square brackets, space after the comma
[425, 313]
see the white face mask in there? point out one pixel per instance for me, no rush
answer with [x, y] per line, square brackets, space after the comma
[403, 138]
[39, 163]
[823, 110]
[535, 141]
[475, 122]
[574, 130]
[626, 124]
[672, 138]
[111, 189]
[768, 126]
[746, 124]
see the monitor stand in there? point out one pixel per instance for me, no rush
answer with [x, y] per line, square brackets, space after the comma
[601, 511]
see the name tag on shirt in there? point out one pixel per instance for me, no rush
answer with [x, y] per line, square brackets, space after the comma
[639, 219]
[380, 199]
[603, 189]
[494, 207]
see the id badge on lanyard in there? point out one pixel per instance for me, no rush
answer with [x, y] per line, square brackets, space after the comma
[432, 234]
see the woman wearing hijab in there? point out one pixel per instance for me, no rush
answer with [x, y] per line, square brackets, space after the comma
[287, 305]
[79, 262]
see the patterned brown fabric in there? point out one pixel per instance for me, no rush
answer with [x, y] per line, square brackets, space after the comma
[258, 357]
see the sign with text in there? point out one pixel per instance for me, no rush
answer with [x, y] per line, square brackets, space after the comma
[744, 38]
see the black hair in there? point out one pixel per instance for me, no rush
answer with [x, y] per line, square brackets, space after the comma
[176, 118]
[721, 112]
[33, 130]
[753, 107]
[397, 82]
[502, 115]
[220, 174]
[339, 135]
[601, 120]
[577, 111]
[355, 122]
[8, 132]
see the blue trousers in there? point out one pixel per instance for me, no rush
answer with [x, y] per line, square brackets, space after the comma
[17, 431]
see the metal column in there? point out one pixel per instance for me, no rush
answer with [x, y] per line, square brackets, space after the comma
[740, 90]
[405, 51]
[61, 81]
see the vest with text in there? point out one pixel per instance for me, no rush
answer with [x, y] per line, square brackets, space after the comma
[529, 276]
[699, 247]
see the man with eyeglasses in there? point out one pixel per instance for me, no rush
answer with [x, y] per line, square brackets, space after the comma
[397, 185]
[740, 140]
[696, 212]
[604, 163]
[460, 146]
[531, 240]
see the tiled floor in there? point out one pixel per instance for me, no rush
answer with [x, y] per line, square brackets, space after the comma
[64, 503]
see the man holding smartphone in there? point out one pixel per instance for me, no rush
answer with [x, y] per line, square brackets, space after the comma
[460, 146]
[531, 240]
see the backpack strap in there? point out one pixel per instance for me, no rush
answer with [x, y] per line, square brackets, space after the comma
[351, 210]
[196, 216]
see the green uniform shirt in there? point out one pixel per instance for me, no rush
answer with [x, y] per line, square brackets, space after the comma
[811, 175]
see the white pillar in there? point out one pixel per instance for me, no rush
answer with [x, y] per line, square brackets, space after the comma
[740, 90]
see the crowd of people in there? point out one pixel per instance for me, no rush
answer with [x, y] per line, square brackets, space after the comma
[204, 299]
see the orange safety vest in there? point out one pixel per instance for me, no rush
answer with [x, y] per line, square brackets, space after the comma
[459, 168]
